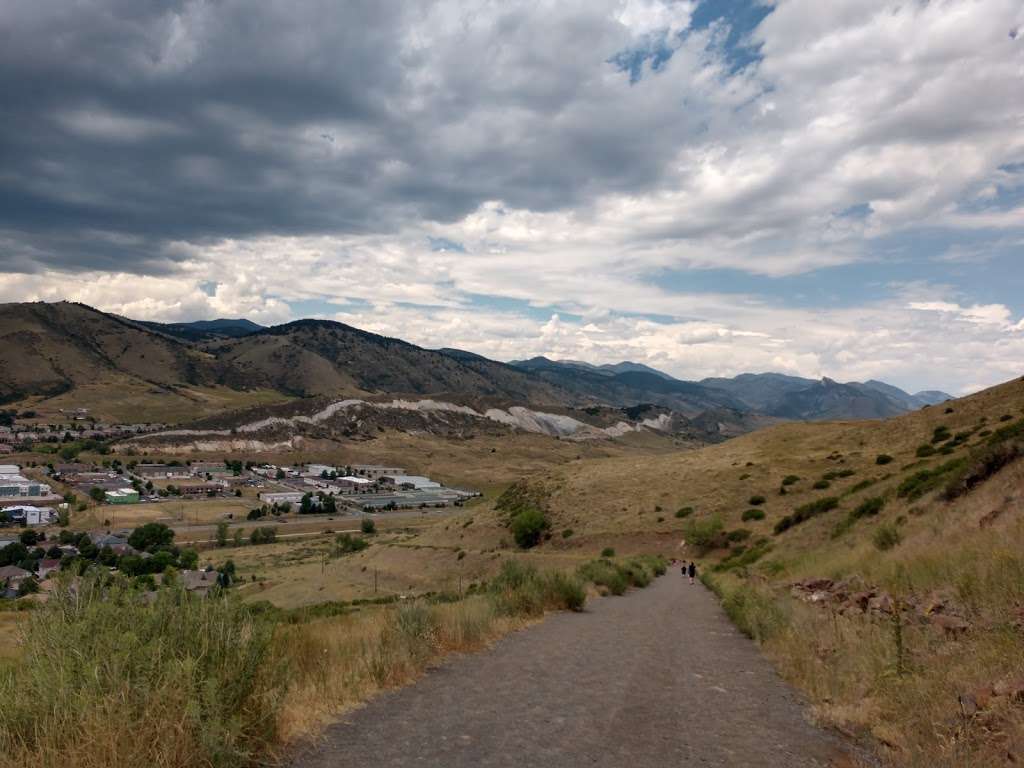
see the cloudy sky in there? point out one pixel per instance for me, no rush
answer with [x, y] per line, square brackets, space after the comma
[708, 186]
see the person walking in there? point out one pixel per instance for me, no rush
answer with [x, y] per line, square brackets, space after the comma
[691, 570]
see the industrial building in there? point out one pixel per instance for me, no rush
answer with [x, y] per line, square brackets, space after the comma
[14, 485]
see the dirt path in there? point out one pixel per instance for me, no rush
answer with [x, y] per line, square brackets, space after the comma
[658, 678]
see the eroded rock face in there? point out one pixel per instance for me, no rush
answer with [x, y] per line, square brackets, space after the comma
[852, 597]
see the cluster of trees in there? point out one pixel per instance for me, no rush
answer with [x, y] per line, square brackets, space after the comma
[264, 535]
[321, 504]
[275, 509]
[154, 539]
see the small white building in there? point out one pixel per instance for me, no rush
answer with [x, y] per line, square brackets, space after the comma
[22, 513]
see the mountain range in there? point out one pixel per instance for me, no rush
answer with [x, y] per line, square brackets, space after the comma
[52, 348]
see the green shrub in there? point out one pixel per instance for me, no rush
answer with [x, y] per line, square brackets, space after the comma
[367, 525]
[756, 500]
[528, 527]
[756, 614]
[567, 533]
[604, 573]
[752, 514]
[983, 464]
[886, 537]
[705, 535]
[820, 485]
[738, 534]
[790, 480]
[266, 535]
[521, 590]
[924, 450]
[806, 512]
[636, 573]
[941, 434]
[926, 480]
[883, 459]
[742, 557]
[608, 552]
[684, 512]
[836, 474]
[564, 591]
[345, 543]
[868, 507]
[860, 486]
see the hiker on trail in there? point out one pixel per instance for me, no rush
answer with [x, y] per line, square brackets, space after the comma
[692, 570]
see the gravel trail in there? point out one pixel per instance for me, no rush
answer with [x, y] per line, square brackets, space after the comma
[657, 678]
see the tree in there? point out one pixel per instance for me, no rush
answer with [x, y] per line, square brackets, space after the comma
[188, 559]
[222, 534]
[97, 494]
[28, 537]
[266, 535]
[306, 506]
[151, 535]
[328, 505]
[13, 553]
[226, 573]
[280, 474]
[54, 553]
[367, 525]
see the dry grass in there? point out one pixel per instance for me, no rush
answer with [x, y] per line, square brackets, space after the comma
[108, 679]
[121, 400]
[337, 663]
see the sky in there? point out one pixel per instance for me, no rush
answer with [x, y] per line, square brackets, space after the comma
[706, 186]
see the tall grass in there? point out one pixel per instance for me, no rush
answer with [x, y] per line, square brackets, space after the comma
[112, 679]
[108, 679]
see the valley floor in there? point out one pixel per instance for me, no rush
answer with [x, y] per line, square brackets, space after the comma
[658, 678]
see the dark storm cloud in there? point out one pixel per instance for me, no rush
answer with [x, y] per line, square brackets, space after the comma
[129, 125]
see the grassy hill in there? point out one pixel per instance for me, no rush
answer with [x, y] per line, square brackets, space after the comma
[65, 355]
[316, 357]
[879, 563]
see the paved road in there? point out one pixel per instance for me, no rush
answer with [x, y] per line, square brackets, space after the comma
[655, 679]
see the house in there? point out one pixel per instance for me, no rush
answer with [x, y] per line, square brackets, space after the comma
[11, 577]
[282, 497]
[47, 566]
[373, 471]
[199, 582]
[411, 482]
[23, 513]
[102, 540]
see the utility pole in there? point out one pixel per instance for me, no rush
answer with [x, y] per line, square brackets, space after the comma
[375, 581]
